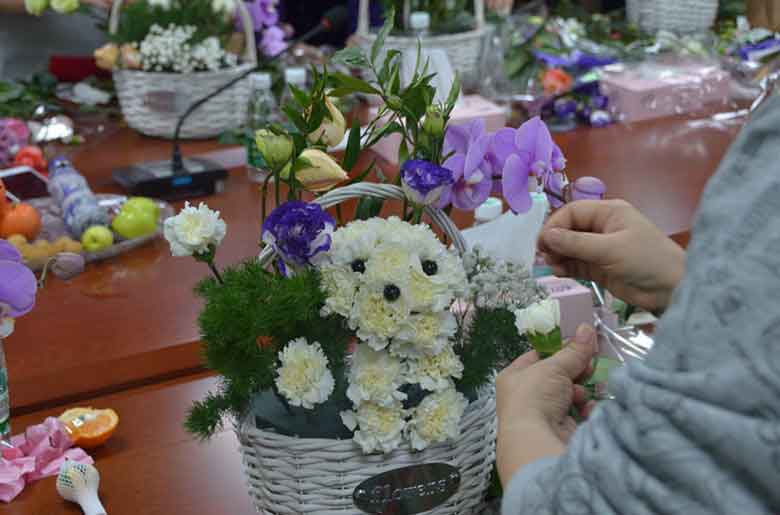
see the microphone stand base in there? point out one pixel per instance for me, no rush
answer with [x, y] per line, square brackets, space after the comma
[199, 178]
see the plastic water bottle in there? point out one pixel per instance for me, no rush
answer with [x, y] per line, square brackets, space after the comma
[261, 112]
[69, 190]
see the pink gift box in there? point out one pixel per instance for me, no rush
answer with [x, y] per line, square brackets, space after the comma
[576, 303]
[652, 89]
[471, 107]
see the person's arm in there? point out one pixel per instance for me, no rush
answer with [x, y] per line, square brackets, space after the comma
[694, 428]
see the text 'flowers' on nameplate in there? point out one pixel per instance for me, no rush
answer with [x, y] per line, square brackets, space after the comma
[408, 490]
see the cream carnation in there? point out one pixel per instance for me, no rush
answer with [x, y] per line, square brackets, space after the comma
[194, 230]
[380, 427]
[435, 373]
[375, 376]
[304, 378]
[376, 318]
[436, 419]
[340, 285]
[425, 334]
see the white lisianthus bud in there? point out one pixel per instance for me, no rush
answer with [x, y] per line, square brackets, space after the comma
[106, 56]
[276, 149]
[323, 171]
[331, 131]
[64, 6]
[36, 7]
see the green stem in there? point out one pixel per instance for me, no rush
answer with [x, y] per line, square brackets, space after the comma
[417, 216]
[339, 218]
[215, 272]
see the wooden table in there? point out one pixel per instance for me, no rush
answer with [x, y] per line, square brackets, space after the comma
[151, 466]
[131, 320]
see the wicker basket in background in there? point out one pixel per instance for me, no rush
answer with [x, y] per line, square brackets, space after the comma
[317, 476]
[673, 15]
[152, 102]
[464, 49]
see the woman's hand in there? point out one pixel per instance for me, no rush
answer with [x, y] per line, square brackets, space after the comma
[612, 243]
[533, 401]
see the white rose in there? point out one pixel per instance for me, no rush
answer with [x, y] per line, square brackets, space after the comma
[194, 230]
[542, 317]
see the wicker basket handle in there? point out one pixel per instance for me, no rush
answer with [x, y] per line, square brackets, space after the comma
[364, 24]
[250, 50]
[381, 191]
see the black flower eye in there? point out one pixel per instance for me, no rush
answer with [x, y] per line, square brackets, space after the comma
[358, 266]
[392, 292]
[430, 267]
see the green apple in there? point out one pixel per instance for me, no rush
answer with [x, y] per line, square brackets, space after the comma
[142, 204]
[134, 223]
[96, 238]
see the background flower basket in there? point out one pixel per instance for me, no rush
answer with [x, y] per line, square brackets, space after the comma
[673, 15]
[152, 102]
[463, 49]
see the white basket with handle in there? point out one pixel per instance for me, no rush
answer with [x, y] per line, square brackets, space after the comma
[463, 49]
[152, 102]
[317, 476]
[673, 15]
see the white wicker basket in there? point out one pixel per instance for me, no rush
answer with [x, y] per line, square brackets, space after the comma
[673, 15]
[297, 476]
[152, 102]
[463, 49]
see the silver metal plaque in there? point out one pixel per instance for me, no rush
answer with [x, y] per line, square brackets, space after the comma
[407, 490]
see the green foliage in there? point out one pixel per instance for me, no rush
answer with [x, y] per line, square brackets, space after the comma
[244, 324]
[139, 16]
[491, 342]
[20, 99]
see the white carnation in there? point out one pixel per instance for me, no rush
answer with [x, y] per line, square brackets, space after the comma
[375, 376]
[194, 230]
[340, 285]
[380, 427]
[304, 378]
[377, 319]
[425, 334]
[542, 317]
[435, 373]
[436, 419]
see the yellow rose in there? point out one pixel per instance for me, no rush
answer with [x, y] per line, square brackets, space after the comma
[331, 131]
[106, 56]
[322, 174]
[131, 57]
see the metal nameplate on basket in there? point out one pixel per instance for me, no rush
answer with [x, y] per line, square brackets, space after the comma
[407, 490]
[167, 102]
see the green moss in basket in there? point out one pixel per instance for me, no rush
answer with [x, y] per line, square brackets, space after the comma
[242, 331]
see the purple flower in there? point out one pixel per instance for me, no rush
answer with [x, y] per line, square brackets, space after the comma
[18, 285]
[587, 188]
[564, 107]
[299, 231]
[423, 182]
[272, 42]
[535, 151]
[600, 118]
[263, 13]
[471, 171]
[13, 135]
[599, 101]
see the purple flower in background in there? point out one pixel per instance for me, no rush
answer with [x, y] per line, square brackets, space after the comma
[600, 118]
[423, 182]
[263, 13]
[575, 59]
[472, 173]
[564, 107]
[599, 101]
[13, 135]
[18, 285]
[299, 231]
[587, 188]
[272, 42]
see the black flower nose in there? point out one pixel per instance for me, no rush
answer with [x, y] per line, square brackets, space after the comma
[430, 267]
[392, 292]
[358, 266]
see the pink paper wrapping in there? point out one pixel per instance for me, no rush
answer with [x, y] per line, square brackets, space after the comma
[37, 453]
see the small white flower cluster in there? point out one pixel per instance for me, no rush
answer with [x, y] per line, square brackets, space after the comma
[394, 283]
[303, 378]
[499, 284]
[171, 49]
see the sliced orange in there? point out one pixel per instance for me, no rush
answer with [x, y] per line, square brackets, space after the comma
[90, 427]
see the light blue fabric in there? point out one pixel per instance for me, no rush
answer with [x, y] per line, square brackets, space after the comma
[27, 42]
[695, 428]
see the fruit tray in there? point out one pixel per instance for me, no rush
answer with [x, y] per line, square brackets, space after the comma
[53, 227]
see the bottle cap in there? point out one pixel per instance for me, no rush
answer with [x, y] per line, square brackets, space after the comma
[489, 210]
[260, 80]
[295, 76]
[420, 20]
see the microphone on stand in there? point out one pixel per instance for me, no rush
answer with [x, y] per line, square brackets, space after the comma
[177, 178]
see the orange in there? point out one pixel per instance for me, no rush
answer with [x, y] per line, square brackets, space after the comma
[20, 219]
[90, 427]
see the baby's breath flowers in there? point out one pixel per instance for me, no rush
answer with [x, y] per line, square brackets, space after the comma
[172, 49]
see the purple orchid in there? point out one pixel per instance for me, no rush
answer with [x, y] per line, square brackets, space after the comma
[272, 42]
[471, 171]
[13, 135]
[423, 182]
[299, 231]
[263, 13]
[18, 285]
[587, 188]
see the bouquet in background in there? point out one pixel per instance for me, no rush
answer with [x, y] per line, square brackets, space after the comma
[185, 37]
